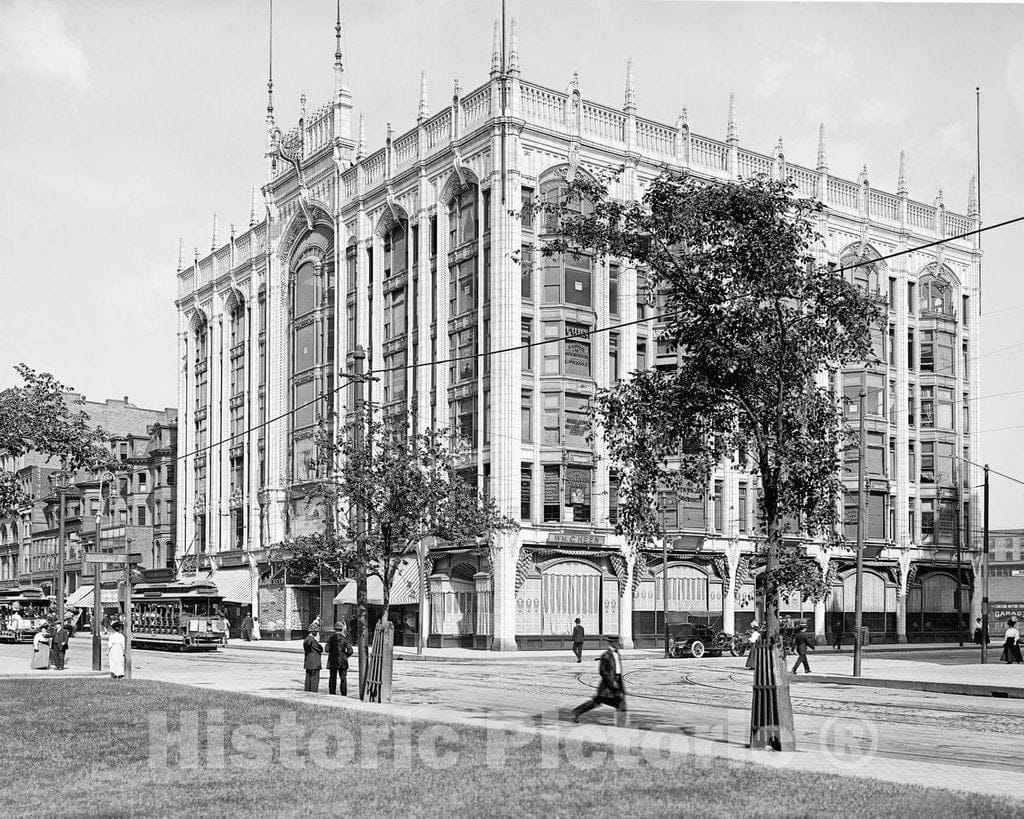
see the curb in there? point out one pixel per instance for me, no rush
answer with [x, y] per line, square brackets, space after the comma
[481, 656]
[74, 675]
[966, 689]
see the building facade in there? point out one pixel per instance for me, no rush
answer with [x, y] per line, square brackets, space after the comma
[419, 252]
[140, 505]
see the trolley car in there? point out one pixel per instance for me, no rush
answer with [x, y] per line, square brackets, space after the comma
[175, 615]
[22, 611]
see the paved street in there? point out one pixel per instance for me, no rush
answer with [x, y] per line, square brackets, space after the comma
[856, 729]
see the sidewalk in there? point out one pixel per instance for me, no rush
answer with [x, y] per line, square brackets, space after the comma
[994, 679]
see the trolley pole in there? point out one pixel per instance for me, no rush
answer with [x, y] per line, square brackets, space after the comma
[359, 405]
[61, 480]
[984, 577]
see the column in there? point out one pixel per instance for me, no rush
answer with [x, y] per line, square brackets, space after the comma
[901, 598]
[505, 548]
[819, 605]
[732, 565]
[183, 483]
[626, 600]
[276, 436]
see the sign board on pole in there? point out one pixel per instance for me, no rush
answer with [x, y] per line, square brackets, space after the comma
[94, 557]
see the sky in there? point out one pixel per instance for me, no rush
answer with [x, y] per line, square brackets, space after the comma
[129, 123]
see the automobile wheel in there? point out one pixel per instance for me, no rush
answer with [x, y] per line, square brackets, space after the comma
[697, 649]
[676, 652]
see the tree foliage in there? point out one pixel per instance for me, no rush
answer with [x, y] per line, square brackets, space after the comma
[38, 417]
[757, 324]
[386, 489]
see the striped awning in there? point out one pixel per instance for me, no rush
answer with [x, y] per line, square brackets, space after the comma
[405, 588]
[234, 585]
[82, 597]
[374, 592]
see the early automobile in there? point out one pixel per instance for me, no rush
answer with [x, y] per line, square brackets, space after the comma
[699, 640]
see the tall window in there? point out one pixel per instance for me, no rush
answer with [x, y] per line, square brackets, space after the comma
[568, 277]
[935, 295]
[613, 288]
[525, 490]
[861, 267]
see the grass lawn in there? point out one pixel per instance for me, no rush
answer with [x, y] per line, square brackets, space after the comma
[96, 747]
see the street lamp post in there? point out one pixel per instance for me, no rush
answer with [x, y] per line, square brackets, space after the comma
[107, 478]
[664, 575]
[61, 480]
[984, 577]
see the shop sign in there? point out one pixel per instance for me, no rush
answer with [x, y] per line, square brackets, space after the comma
[551, 488]
[575, 539]
[1004, 611]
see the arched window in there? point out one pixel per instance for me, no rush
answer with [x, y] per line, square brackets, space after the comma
[936, 295]
[861, 266]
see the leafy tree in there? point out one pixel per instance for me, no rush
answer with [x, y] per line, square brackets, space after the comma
[38, 417]
[757, 324]
[409, 488]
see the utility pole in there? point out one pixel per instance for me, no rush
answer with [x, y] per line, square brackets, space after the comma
[984, 577]
[858, 615]
[664, 572]
[127, 604]
[362, 528]
[61, 483]
[107, 478]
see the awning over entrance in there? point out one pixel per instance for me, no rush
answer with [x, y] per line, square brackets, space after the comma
[374, 592]
[82, 598]
[235, 586]
[405, 588]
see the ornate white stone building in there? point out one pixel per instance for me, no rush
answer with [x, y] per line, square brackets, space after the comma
[418, 253]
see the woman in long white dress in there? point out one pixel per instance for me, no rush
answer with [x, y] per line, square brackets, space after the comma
[41, 649]
[115, 651]
[256, 635]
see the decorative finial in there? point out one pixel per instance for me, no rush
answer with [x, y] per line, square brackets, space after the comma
[513, 54]
[213, 244]
[338, 66]
[361, 145]
[496, 49]
[424, 111]
[939, 203]
[232, 232]
[862, 177]
[252, 208]
[456, 90]
[391, 133]
[181, 253]
[901, 184]
[684, 118]
[302, 106]
[270, 71]
[822, 155]
[972, 197]
[779, 153]
[630, 89]
[195, 256]
[732, 132]
[574, 83]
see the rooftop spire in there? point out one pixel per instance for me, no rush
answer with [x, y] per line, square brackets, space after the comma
[338, 68]
[778, 149]
[252, 209]
[732, 133]
[822, 155]
[181, 253]
[513, 54]
[424, 111]
[901, 184]
[630, 89]
[270, 70]
[496, 49]
[862, 178]
[213, 244]
[361, 145]
[972, 197]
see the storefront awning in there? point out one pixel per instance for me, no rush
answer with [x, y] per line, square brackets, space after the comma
[374, 592]
[235, 586]
[405, 588]
[82, 598]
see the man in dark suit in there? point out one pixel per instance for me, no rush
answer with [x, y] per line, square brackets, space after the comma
[803, 642]
[59, 646]
[610, 691]
[338, 652]
[313, 650]
[577, 641]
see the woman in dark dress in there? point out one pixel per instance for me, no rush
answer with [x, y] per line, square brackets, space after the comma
[1011, 648]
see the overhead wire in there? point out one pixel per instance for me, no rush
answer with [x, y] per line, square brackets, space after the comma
[376, 373]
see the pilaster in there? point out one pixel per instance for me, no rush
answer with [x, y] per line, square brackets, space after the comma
[505, 548]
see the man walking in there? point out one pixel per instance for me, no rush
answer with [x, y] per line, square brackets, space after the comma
[610, 691]
[247, 628]
[577, 641]
[803, 642]
[313, 650]
[338, 652]
[837, 633]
